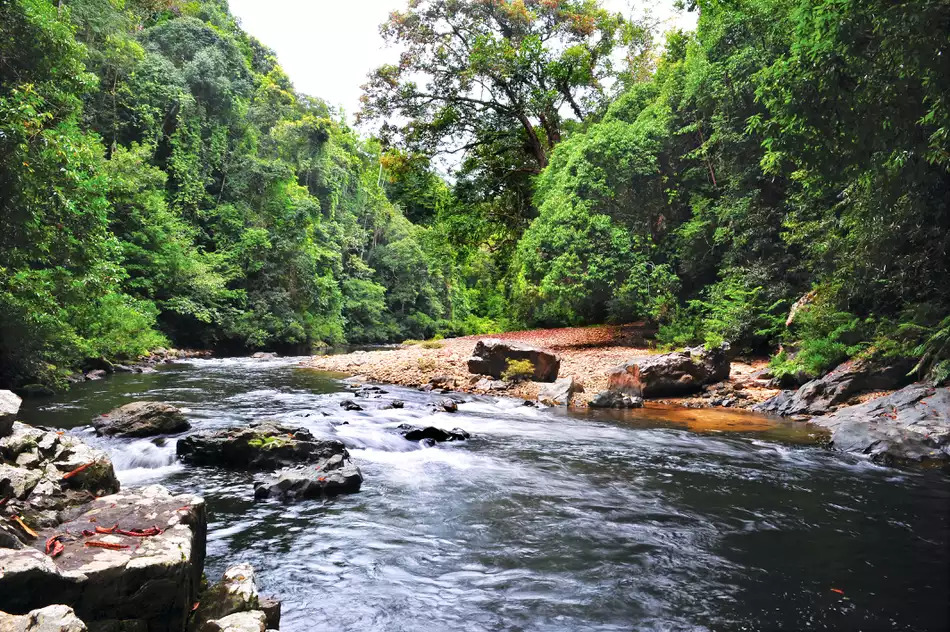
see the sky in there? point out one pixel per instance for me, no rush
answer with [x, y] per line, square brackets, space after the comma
[327, 47]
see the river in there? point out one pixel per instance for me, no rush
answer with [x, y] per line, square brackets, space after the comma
[546, 519]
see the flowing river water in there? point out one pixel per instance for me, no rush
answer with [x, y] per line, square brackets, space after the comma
[547, 519]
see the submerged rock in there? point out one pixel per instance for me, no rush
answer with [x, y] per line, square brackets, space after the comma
[349, 404]
[338, 475]
[431, 433]
[9, 407]
[58, 618]
[491, 357]
[258, 446]
[822, 395]
[909, 426]
[615, 399]
[560, 392]
[671, 374]
[124, 580]
[142, 419]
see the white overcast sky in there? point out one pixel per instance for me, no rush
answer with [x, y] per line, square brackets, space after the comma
[328, 46]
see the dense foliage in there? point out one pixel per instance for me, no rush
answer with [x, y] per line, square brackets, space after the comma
[161, 182]
[779, 179]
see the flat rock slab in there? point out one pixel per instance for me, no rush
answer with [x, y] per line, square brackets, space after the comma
[909, 426]
[152, 580]
[258, 446]
[491, 357]
[142, 419]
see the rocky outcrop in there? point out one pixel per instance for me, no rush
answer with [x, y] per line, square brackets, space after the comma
[338, 475]
[9, 407]
[491, 357]
[236, 592]
[44, 474]
[431, 434]
[142, 419]
[670, 374]
[615, 399]
[822, 395]
[259, 446]
[909, 426]
[560, 392]
[131, 560]
[56, 618]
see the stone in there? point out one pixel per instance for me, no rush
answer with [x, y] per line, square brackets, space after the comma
[395, 404]
[35, 486]
[57, 618]
[671, 374]
[909, 426]
[236, 592]
[338, 475]
[9, 407]
[142, 419]
[271, 608]
[449, 405]
[560, 392]
[615, 399]
[822, 395]
[258, 446]
[154, 580]
[97, 374]
[415, 433]
[485, 384]
[264, 355]
[349, 404]
[491, 357]
[253, 621]
[442, 381]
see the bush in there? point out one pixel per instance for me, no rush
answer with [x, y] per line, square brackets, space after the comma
[426, 364]
[518, 371]
[431, 344]
[822, 338]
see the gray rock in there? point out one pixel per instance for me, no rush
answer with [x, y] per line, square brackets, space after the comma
[560, 392]
[491, 357]
[395, 404]
[485, 384]
[58, 618]
[9, 407]
[264, 355]
[449, 405]
[415, 433]
[909, 426]
[236, 592]
[271, 608]
[97, 374]
[253, 621]
[615, 399]
[822, 395]
[671, 374]
[142, 419]
[153, 579]
[258, 446]
[349, 404]
[337, 475]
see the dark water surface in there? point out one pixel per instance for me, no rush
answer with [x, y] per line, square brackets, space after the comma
[546, 520]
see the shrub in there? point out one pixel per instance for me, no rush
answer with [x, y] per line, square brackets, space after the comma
[426, 364]
[431, 344]
[518, 371]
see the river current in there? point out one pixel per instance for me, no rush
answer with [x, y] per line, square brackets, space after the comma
[545, 519]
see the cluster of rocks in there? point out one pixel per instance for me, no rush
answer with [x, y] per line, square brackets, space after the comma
[78, 554]
[302, 466]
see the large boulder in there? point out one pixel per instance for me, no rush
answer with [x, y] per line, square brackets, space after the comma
[259, 446]
[671, 374]
[909, 426]
[491, 357]
[131, 560]
[338, 475]
[9, 407]
[44, 474]
[560, 392]
[822, 395]
[142, 419]
[58, 618]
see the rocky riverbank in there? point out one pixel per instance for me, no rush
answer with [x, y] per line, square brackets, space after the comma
[77, 553]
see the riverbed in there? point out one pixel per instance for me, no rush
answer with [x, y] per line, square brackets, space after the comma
[546, 519]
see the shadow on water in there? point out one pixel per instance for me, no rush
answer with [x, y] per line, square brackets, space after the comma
[656, 519]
